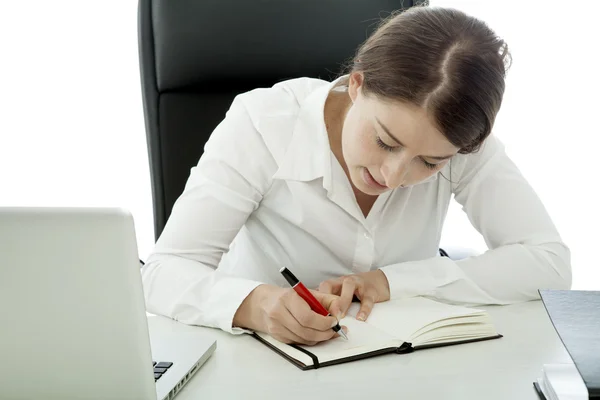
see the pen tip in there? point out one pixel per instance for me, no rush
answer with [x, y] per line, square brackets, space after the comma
[343, 334]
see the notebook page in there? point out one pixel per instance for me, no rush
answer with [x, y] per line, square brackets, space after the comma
[362, 338]
[402, 318]
[448, 334]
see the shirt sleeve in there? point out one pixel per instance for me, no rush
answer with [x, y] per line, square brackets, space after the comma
[180, 277]
[525, 253]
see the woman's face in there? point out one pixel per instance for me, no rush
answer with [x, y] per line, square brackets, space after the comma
[387, 144]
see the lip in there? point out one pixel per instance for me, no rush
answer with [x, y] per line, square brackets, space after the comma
[369, 180]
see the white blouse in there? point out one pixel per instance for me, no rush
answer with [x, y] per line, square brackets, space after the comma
[268, 192]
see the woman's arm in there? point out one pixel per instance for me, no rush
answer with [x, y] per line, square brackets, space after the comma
[526, 251]
[180, 278]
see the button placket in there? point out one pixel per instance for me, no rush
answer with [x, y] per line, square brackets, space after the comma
[364, 252]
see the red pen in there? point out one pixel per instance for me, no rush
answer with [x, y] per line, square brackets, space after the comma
[314, 304]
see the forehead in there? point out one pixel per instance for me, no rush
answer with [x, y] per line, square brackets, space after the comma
[411, 124]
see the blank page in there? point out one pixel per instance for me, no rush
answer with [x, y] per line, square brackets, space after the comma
[402, 318]
[362, 338]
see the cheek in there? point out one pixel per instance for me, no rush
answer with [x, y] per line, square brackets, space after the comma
[350, 135]
[360, 148]
[358, 139]
[419, 173]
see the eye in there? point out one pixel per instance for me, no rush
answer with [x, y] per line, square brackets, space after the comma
[430, 165]
[384, 146]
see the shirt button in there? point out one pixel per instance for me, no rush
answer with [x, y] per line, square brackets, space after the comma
[367, 236]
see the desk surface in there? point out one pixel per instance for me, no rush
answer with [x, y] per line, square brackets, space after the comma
[243, 368]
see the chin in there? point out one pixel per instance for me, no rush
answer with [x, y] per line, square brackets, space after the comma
[369, 190]
[360, 184]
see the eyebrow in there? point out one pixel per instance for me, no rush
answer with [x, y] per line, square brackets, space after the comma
[441, 158]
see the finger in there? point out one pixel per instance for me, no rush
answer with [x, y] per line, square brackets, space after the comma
[330, 302]
[286, 336]
[307, 317]
[345, 329]
[332, 286]
[337, 334]
[281, 322]
[304, 320]
[348, 289]
[310, 334]
[290, 329]
[326, 287]
[366, 305]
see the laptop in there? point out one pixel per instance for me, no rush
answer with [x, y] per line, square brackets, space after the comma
[72, 311]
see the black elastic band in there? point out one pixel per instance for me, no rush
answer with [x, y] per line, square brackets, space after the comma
[308, 353]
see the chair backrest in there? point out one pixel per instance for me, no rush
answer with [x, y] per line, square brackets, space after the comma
[197, 55]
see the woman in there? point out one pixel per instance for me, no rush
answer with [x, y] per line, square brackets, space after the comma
[347, 183]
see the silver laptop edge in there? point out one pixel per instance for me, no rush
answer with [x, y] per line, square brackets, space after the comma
[74, 322]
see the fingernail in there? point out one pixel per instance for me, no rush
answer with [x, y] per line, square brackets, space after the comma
[360, 316]
[343, 315]
[339, 316]
[334, 323]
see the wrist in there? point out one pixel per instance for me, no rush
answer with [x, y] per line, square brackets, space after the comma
[249, 313]
[384, 284]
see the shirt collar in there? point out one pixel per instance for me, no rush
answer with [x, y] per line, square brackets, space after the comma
[308, 155]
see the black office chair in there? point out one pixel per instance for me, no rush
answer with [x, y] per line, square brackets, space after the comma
[197, 55]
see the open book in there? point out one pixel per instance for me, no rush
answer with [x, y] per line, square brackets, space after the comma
[398, 326]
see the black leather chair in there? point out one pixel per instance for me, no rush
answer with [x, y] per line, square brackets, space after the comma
[197, 55]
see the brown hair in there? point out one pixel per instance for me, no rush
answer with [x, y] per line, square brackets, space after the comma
[443, 60]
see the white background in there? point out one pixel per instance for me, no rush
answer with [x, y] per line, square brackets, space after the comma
[549, 118]
[72, 128]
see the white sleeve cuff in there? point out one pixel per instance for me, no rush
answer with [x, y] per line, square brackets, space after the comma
[420, 278]
[192, 293]
[228, 294]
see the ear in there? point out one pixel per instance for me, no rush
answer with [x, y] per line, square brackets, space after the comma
[355, 81]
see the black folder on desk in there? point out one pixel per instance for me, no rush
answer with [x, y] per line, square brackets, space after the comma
[575, 315]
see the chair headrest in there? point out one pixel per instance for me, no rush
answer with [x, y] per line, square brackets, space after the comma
[210, 43]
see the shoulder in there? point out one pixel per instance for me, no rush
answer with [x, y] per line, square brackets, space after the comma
[273, 112]
[283, 98]
[261, 122]
[469, 169]
[489, 148]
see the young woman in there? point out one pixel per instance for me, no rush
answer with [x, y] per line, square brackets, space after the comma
[348, 182]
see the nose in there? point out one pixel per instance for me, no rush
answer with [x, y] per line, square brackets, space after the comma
[395, 170]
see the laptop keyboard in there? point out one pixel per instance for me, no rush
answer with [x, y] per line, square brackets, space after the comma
[160, 368]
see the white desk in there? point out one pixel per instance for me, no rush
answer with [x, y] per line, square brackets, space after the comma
[503, 369]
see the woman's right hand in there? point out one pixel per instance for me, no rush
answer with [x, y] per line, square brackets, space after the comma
[284, 315]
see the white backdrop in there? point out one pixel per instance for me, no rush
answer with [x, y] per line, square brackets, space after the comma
[72, 130]
[549, 117]
[72, 124]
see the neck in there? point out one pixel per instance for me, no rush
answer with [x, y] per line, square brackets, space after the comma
[336, 107]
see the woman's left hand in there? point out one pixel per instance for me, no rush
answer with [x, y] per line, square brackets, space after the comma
[370, 288]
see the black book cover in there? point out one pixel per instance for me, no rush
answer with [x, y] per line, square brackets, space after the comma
[403, 349]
